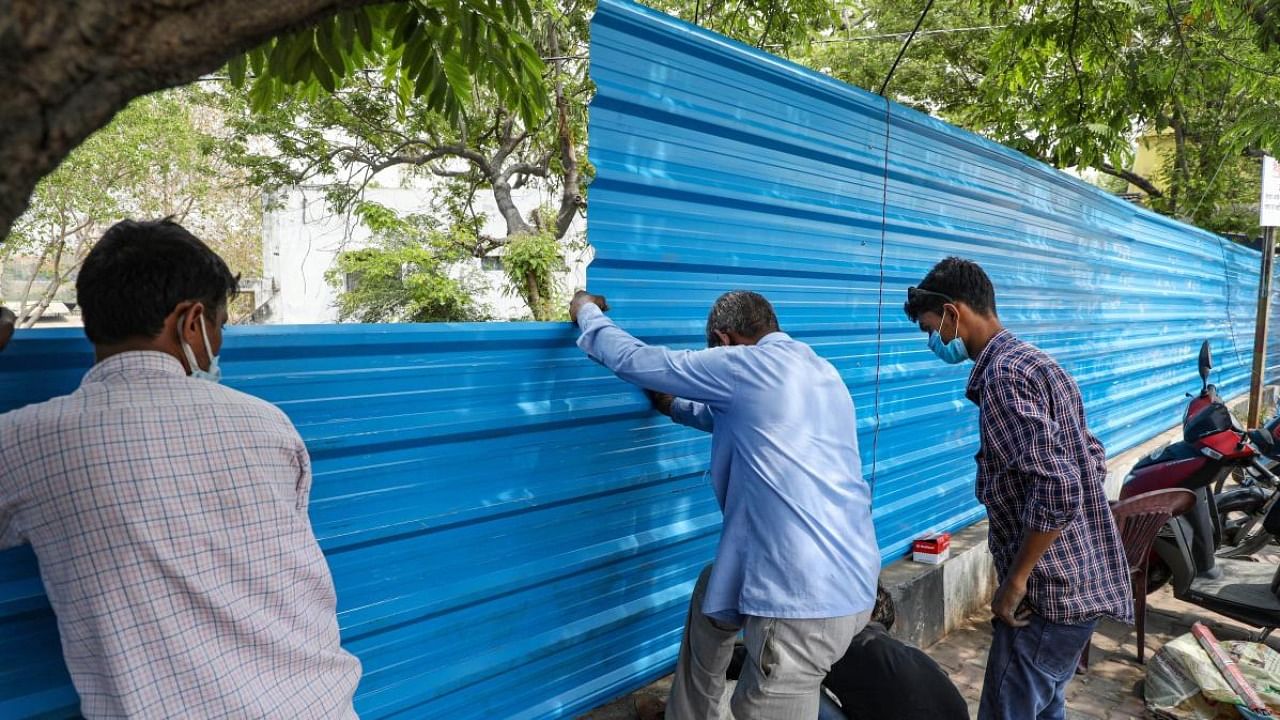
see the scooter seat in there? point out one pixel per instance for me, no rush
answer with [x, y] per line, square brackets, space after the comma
[1244, 587]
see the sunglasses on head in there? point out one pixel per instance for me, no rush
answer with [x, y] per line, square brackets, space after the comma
[915, 292]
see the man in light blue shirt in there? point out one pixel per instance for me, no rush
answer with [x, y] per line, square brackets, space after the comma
[797, 564]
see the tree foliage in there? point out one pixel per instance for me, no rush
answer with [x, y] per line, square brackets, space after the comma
[774, 25]
[367, 131]
[430, 53]
[1080, 78]
[156, 159]
[407, 275]
[68, 67]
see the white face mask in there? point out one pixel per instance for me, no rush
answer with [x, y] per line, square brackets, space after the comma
[214, 373]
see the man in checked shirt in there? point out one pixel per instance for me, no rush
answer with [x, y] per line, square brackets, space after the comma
[169, 513]
[1040, 475]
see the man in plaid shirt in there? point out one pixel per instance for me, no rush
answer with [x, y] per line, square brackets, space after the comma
[1040, 475]
[169, 513]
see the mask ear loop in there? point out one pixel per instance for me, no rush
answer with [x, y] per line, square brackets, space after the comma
[208, 347]
[190, 352]
[943, 325]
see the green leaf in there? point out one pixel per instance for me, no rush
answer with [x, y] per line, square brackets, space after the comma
[235, 69]
[257, 59]
[455, 69]
[428, 77]
[438, 99]
[328, 49]
[323, 73]
[415, 53]
[278, 61]
[407, 28]
[298, 63]
[364, 28]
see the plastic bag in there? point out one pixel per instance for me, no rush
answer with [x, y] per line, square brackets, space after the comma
[1183, 683]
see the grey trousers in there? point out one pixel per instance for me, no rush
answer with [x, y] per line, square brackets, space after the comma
[782, 678]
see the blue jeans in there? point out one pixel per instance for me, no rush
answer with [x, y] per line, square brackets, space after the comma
[1029, 667]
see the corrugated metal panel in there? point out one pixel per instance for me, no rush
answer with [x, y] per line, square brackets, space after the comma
[514, 535]
[1122, 297]
[510, 530]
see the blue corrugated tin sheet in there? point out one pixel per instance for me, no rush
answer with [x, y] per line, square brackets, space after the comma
[514, 534]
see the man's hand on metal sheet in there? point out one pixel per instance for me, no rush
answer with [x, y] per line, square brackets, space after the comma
[581, 299]
[661, 401]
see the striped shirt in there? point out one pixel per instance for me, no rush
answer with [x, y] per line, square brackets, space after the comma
[1040, 469]
[169, 518]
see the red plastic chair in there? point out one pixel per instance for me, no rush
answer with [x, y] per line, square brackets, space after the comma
[1139, 519]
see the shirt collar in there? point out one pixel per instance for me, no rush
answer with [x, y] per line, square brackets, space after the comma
[773, 337]
[136, 364]
[996, 347]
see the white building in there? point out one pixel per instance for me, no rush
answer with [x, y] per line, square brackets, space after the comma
[302, 237]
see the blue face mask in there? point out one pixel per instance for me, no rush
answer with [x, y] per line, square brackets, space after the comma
[214, 373]
[952, 352]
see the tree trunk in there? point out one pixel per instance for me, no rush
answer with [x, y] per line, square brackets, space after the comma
[52, 291]
[570, 193]
[67, 67]
[28, 317]
[20, 309]
[502, 191]
[533, 296]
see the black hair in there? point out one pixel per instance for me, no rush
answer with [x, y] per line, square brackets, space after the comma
[884, 611]
[744, 312]
[139, 272]
[952, 280]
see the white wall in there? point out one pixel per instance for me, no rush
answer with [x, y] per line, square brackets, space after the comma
[302, 237]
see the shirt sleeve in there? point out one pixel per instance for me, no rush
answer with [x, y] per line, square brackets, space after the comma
[10, 535]
[1027, 440]
[693, 414]
[706, 376]
[302, 460]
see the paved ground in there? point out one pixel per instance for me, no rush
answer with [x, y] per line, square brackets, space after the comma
[1112, 689]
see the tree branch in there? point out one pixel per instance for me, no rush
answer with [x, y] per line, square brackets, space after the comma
[60, 82]
[461, 151]
[541, 169]
[1133, 178]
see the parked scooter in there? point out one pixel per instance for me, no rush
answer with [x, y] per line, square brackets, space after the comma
[1214, 444]
[1240, 508]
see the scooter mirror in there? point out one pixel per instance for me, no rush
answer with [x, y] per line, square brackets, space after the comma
[1206, 362]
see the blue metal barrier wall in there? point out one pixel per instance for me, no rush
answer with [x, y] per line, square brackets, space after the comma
[514, 534]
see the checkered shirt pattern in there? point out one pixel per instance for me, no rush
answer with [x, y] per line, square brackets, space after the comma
[1040, 469]
[169, 518]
